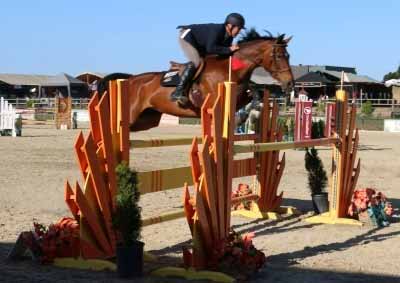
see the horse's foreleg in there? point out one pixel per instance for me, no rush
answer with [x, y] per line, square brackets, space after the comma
[148, 119]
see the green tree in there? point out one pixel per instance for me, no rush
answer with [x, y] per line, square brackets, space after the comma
[367, 109]
[318, 129]
[127, 217]
[317, 177]
[392, 75]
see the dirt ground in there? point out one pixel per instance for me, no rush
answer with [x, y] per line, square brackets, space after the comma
[33, 169]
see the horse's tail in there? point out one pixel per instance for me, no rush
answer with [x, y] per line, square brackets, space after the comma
[103, 84]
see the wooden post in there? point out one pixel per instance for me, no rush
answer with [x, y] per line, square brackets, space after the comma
[98, 155]
[344, 174]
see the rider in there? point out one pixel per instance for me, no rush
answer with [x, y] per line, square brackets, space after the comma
[200, 40]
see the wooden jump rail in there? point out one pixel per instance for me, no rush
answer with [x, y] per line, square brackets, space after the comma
[98, 154]
[263, 147]
[212, 169]
[167, 179]
[161, 142]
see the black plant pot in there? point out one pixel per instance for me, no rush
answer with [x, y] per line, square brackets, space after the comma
[320, 202]
[130, 260]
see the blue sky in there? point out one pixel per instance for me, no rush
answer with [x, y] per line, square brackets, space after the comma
[48, 37]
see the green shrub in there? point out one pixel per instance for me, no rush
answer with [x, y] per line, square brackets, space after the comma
[29, 103]
[290, 124]
[317, 178]
[320, 107]
[127, 217]
[367, 109]
[284, 124]
[317, 129]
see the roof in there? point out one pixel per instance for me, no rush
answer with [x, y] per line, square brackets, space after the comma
[42, 80]
[323, 68]
[352, 78]
[73, 80]
[317, 77]
[14, 79]
[262, 77]
[299, 71]
[96, 74]
[331, 74]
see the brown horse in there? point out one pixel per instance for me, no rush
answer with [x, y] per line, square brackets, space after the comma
[149, 100]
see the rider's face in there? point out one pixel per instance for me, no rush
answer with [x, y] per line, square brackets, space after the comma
[232, 30]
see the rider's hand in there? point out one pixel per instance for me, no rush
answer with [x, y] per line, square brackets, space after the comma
[234, 48]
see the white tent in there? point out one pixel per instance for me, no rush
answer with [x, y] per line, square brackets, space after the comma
[392, 82]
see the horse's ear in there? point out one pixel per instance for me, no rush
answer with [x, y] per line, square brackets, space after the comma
[286, 40]
[268, 33]
[280, 38]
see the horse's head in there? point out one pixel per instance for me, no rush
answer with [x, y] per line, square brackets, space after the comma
[270, 53]
[275, 60]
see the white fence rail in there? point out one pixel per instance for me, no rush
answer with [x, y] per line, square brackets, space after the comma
[379, 102]
[7, 117]
[23, 103]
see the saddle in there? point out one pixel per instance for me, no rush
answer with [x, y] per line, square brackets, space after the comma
[171, 77]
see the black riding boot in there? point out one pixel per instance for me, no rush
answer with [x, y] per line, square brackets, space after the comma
[180, 94]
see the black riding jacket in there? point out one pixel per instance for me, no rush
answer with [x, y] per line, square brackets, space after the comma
[209, 39]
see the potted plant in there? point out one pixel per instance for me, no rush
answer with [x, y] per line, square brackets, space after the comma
[317, 180]
[127, 223]
[317, 129]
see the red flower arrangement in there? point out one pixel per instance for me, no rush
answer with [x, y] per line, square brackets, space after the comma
[57, 240]
[365, 198]
[240, 256]
[371, 204]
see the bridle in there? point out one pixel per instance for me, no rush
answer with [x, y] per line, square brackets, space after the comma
[277, 58]
[274, 57]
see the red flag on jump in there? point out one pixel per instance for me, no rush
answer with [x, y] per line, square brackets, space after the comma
[238, 64]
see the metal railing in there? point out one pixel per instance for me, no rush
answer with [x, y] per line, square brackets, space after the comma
[23, 103]
[376, 102]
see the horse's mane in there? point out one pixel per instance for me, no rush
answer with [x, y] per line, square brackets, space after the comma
[252, 35]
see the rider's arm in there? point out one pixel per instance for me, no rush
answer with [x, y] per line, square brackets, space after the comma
[215, 47]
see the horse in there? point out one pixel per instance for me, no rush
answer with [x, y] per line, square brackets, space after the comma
[148, 99]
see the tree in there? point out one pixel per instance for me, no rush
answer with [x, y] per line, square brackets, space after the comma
[127, 217]
[367, 109]
[317, 178]
[392, 75]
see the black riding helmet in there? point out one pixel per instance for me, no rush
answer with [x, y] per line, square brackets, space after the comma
[235, 19]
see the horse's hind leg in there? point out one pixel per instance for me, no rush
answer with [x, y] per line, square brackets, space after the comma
[148, 119]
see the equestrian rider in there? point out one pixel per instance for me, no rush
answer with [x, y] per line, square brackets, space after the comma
[200, 40]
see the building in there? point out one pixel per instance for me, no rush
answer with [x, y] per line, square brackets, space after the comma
[91, 79]
[17, 85]
[322, 81]
[261, 79]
